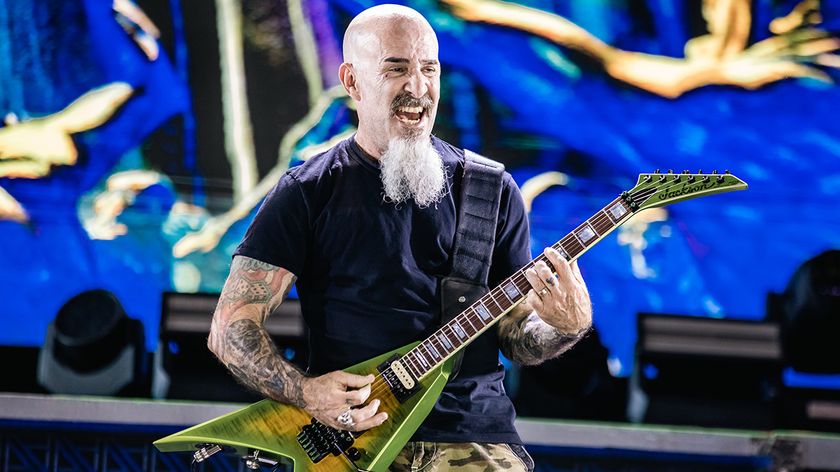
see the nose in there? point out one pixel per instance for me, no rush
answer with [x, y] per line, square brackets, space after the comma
[417, 84]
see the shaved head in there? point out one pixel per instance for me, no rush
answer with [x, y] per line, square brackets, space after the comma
[374, 23]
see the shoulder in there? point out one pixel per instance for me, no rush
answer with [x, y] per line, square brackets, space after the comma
[452, 156]
[321, 166]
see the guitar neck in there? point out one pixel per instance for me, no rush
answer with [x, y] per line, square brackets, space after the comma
[486, 311]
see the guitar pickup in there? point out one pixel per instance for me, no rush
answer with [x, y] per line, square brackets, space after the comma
[399, 379]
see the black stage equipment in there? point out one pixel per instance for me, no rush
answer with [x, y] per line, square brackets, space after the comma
[576, 385]
[706, 372]
[184, 366]
[93, 348]
[809, 313]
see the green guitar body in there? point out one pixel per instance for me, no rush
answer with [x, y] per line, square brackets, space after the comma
[272, 428]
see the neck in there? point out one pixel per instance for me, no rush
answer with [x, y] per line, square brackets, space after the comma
[369, 146]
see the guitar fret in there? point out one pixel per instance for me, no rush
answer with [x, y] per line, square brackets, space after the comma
[618, 210]
[475, 330]
[523, 284]
[430, 346]
[483, 313]
[571, 249]
[445, 341]
[605, 225]
[459, 331]
[609, 216]
[423, 359]
[495, 301]
[412, 363]
[585, 233]
[451, 337]
[512, 291]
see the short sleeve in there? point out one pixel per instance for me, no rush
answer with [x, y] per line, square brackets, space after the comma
[280, 232]
[513, 237]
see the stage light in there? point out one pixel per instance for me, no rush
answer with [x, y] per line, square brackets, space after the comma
[93, 348]
[809, 313]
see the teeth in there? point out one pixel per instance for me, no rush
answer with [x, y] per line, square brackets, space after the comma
[411, 122]
[410, 109]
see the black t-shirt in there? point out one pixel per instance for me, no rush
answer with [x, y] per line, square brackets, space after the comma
[368, 275]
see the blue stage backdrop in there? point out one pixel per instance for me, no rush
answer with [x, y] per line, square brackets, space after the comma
[138, 139]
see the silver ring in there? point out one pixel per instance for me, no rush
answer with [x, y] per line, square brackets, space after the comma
[543, 291]
[549, 280]
[345, 419]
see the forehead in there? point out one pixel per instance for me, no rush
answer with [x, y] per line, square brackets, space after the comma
[406, 40]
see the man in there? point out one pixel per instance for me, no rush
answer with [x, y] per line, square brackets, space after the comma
[368, 226]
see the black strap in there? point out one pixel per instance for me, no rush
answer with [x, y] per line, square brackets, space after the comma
[475, 238]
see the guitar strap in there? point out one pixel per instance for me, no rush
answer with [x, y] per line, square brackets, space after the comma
[475, 238]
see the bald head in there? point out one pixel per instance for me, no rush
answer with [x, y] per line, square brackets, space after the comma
[370, 27]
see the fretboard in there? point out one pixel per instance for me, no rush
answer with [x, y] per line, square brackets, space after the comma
[464, 328]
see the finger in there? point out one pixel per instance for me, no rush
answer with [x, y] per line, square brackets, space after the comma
[561, 266]
[546, 276]
[371, 422]
[352, 380]
[357, 397]
[535, 302]
[360, 415]
[535, 279]
[576, 272]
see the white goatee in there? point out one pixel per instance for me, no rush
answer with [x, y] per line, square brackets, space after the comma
[412, 168]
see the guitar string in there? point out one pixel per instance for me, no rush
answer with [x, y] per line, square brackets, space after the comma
[600, 223]
[417, 369]
[600, 218]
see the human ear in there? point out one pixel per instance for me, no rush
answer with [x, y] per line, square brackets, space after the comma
[348, 79]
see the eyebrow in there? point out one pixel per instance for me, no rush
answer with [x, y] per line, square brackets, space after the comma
[402, 60]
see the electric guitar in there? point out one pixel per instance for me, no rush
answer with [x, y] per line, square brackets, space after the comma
[410, 379]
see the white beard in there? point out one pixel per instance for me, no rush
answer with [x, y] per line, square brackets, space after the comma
[412, 168]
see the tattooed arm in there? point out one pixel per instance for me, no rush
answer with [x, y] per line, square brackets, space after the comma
[238, 336]
[556, 314]
[239, 339]
[526, 339]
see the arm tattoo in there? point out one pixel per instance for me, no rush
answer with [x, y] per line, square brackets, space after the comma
[238, 336]
[528, 340]
[253, 359]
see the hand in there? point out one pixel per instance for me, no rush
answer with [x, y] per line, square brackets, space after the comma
[561, 301]
[328, 396]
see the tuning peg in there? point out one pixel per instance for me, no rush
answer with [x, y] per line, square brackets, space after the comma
[726, 171]
[656, 171]
[714, 172]
[686, 171]
[670, 171]
[690, 178]
[699, 171]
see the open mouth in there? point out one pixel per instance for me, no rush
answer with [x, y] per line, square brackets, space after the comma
[410, 115]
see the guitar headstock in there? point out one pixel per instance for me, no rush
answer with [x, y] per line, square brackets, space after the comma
[658, 189]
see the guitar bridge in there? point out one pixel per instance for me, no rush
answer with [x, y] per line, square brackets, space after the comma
[399, 379]
[318, 440]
